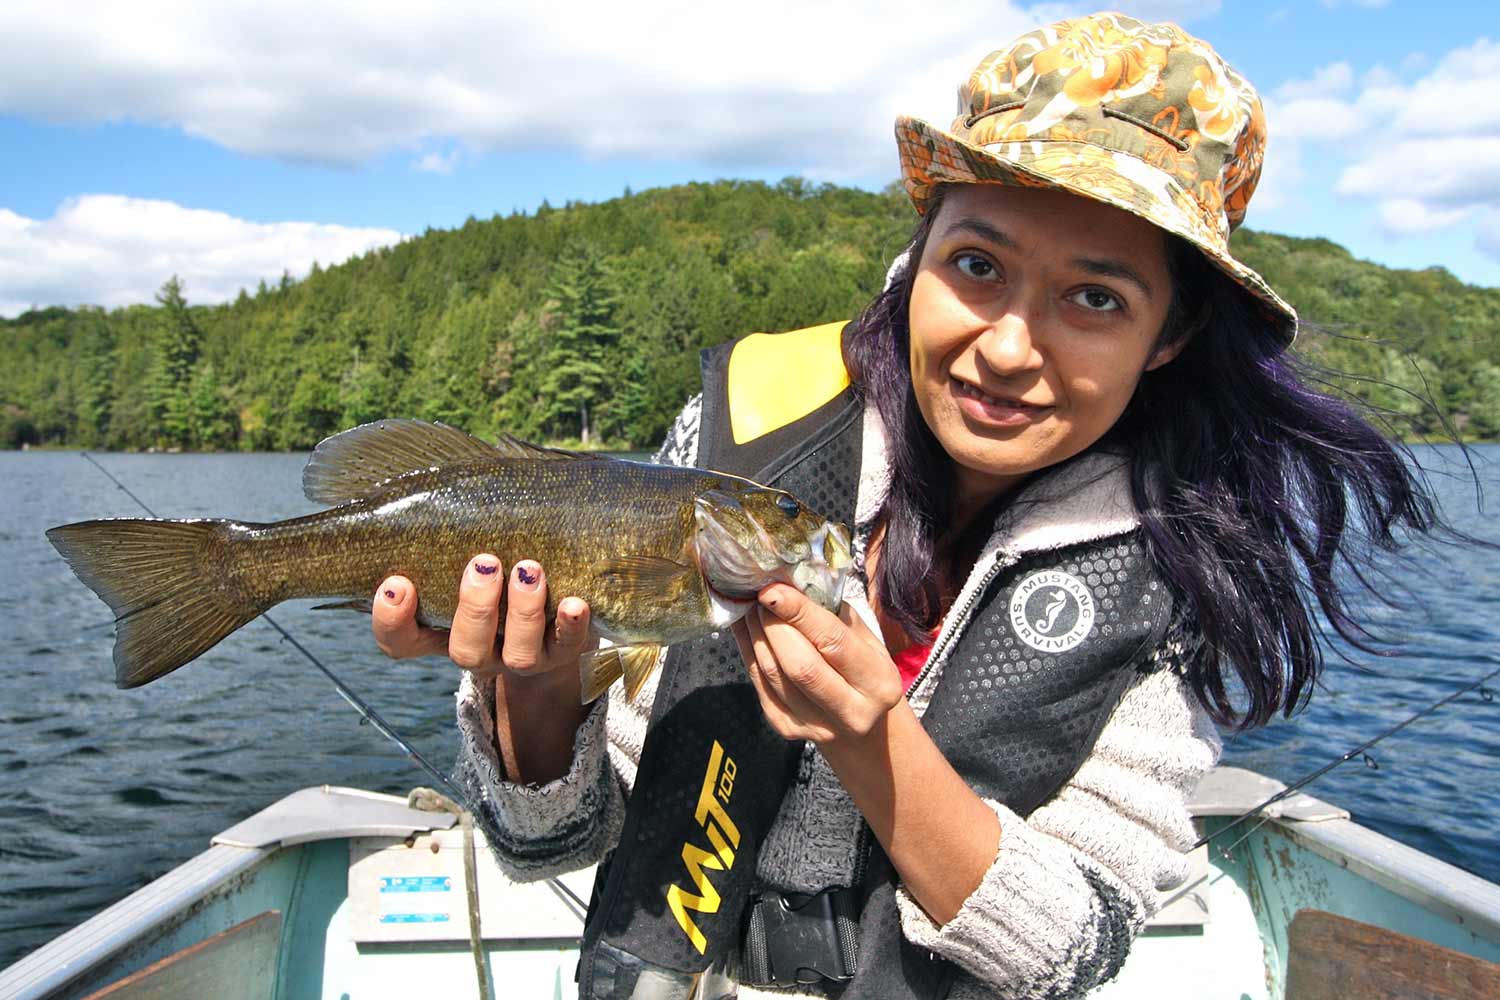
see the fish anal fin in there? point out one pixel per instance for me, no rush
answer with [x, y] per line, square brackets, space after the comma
[364, 605]
[601, 668]
[357, 462]
[639, 662]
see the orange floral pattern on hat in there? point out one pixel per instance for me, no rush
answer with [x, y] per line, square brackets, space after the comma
[1142, 116]
[1098, 60]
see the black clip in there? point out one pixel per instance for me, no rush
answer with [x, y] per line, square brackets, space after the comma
[1371, 762]
[798, 939]
[1485, 694]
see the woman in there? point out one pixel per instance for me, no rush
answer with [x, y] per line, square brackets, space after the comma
[1086, 483]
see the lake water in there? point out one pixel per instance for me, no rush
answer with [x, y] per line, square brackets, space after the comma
[102, 790]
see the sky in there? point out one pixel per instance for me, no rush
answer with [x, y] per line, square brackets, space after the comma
[230, 141]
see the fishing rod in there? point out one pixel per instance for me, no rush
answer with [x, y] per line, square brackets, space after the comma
[1361, 751]
[367, 713]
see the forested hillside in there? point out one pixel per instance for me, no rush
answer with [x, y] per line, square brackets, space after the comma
[583, 324]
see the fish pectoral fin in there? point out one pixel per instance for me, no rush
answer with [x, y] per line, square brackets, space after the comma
[601, 668]
[646, 577]
[363, 605]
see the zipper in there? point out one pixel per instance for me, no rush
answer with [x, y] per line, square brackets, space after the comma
[861, 854]
[956, 623]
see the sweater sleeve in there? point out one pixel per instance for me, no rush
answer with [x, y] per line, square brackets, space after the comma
[1071, 884]
[537, 831]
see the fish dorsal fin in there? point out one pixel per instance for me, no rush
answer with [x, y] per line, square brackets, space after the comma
[356, 462]
[513, 447]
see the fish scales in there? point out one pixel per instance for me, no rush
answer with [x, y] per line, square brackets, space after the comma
[571, 517]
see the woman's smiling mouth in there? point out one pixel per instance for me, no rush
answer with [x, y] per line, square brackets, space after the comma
[996, 410]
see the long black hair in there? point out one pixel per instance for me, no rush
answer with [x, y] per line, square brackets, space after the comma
[1258, 495]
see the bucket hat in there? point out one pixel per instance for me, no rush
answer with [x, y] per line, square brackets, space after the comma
[1144, 117]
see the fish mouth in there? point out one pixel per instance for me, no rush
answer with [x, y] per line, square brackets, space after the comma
[737, 564]
[822, 577]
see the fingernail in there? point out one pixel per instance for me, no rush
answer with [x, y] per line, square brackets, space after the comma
[486, 568]
[529, 575]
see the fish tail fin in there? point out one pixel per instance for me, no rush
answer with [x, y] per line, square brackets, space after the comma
[159, 578]
[601, 668]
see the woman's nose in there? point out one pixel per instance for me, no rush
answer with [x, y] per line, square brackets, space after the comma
[1009, 345]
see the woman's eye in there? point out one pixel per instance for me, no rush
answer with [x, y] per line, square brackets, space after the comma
[974, 266]
[1096, 299]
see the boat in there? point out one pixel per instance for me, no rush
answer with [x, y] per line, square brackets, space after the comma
[343, 894]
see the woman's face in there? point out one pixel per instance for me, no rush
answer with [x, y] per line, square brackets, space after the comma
[1033, 315]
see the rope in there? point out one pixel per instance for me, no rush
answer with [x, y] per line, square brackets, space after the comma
[428, 800]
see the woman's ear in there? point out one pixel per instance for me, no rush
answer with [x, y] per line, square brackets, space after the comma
[1167, 352]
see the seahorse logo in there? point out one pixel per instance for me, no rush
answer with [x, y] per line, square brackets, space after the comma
[1054, 608]
[1052, 611]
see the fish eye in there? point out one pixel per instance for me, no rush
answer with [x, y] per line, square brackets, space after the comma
[788, 506]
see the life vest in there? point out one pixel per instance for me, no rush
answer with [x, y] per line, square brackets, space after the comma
[1026, 688]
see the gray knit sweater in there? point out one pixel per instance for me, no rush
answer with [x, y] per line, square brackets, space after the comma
[1046, 920]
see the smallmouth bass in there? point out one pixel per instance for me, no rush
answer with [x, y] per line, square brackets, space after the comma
[661, 554]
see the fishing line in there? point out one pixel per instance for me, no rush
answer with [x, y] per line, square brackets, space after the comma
[1362, 751]
[366, 712]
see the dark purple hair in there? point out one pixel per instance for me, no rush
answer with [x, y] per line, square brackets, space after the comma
[1252, 488]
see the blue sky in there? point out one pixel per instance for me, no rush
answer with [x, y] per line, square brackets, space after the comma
[230, 143]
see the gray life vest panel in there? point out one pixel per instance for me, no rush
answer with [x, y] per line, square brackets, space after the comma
[1028, 684]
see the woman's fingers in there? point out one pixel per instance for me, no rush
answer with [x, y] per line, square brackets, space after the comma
[393, 619]
[471, 641]
[843, 641]
[571, 635]
[525, 618]
[788, 723]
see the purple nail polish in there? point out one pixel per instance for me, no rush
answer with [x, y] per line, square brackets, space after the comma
[390, 595]
[526, 576]
[485, 569]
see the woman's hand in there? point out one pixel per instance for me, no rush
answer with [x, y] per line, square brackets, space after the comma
[528, 651]
[534, 670]
[820, 676]
[827, 678]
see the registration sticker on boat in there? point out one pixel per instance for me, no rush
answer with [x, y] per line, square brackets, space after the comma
[415, 899]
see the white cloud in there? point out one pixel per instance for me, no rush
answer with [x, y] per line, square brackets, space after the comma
[1408, 216]
[808, 85]
[1451, 173]
[1457, 97]
[109, 250]
[1179, 11]
[1488, 239]
[436, 163]
[1335, 78]
[1423, 149]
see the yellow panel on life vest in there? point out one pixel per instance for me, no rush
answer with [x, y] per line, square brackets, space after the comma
[777, 378]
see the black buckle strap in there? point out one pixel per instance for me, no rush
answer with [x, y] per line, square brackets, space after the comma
[799, 939]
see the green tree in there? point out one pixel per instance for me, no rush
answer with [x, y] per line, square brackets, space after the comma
[177, 343]
[576, 379]
[211, 418]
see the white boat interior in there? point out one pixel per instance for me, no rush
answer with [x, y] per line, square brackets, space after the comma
[343, 894]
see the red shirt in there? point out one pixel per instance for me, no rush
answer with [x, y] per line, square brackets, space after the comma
[911, 659]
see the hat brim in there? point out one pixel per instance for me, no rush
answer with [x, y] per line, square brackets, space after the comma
[931, 156]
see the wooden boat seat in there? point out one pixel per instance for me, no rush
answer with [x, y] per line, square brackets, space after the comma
[1330, 957]
[236, 964]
